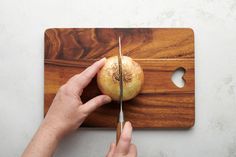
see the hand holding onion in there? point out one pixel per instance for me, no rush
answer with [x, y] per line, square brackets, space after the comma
[108, 78]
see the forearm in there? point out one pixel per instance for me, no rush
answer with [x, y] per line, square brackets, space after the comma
[66, 113]
[43, 144]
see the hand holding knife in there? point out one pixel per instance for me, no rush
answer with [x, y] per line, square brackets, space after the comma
[121, 119]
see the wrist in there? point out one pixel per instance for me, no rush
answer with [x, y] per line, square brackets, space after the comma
[52, 131]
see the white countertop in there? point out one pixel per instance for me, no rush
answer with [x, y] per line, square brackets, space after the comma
[22, 25]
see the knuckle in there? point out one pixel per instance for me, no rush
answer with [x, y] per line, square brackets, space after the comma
[125, 138]
[99, 101]
[83, 112]
[62, 88]
[85, 76]
[79, 78]
[65, 89]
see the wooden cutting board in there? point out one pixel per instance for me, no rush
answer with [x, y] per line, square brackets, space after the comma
[160, 51]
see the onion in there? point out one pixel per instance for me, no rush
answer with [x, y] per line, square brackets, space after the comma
[108, 78]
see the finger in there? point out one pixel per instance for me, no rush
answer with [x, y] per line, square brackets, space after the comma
[94, 103]
[132, 150]
[111, 150]
[80, 81]
[125, 139]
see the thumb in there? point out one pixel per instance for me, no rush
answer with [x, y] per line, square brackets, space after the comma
[94, 103]
[111, 150]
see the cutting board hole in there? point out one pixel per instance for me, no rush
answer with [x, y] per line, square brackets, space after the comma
[177, 77]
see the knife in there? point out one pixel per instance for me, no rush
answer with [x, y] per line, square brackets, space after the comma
[121, 118]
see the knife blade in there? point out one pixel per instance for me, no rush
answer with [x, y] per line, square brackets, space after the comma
[121, 120]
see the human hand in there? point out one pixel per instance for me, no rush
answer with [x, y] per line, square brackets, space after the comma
[67, 111]
[124, 147]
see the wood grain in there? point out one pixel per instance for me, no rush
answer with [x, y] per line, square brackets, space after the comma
[159, 51]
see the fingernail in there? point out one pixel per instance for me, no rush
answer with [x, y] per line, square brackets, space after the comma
[107, 99]
[128, 123]
[103, 59]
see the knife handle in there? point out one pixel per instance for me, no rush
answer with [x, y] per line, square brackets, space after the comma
[119, 129]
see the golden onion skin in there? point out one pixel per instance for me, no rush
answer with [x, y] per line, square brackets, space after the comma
[108, 78]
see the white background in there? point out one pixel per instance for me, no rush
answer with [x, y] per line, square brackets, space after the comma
[22, 25]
